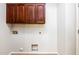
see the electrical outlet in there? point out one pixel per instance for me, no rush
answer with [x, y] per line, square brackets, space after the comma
[15, 32]
[34, 47]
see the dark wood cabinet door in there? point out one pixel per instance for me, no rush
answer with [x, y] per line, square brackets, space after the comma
[31, 13]
[25, 13]
[10, 13]
[40, 13]
[21, 15]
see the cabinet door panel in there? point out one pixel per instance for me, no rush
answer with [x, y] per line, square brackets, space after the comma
[31, 13]
[20, 14]
[26, 15]
[40, 13]
[17, 14]
[10, 13]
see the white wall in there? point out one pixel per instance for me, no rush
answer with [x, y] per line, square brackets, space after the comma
[4, 31]
[77, 28]
[61, 28]
[70, 29]
[66, 28]
[29, 34]
[59, 18]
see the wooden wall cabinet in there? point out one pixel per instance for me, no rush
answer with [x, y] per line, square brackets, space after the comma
[25, 13]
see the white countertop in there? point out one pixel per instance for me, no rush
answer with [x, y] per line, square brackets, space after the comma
[33, 53]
